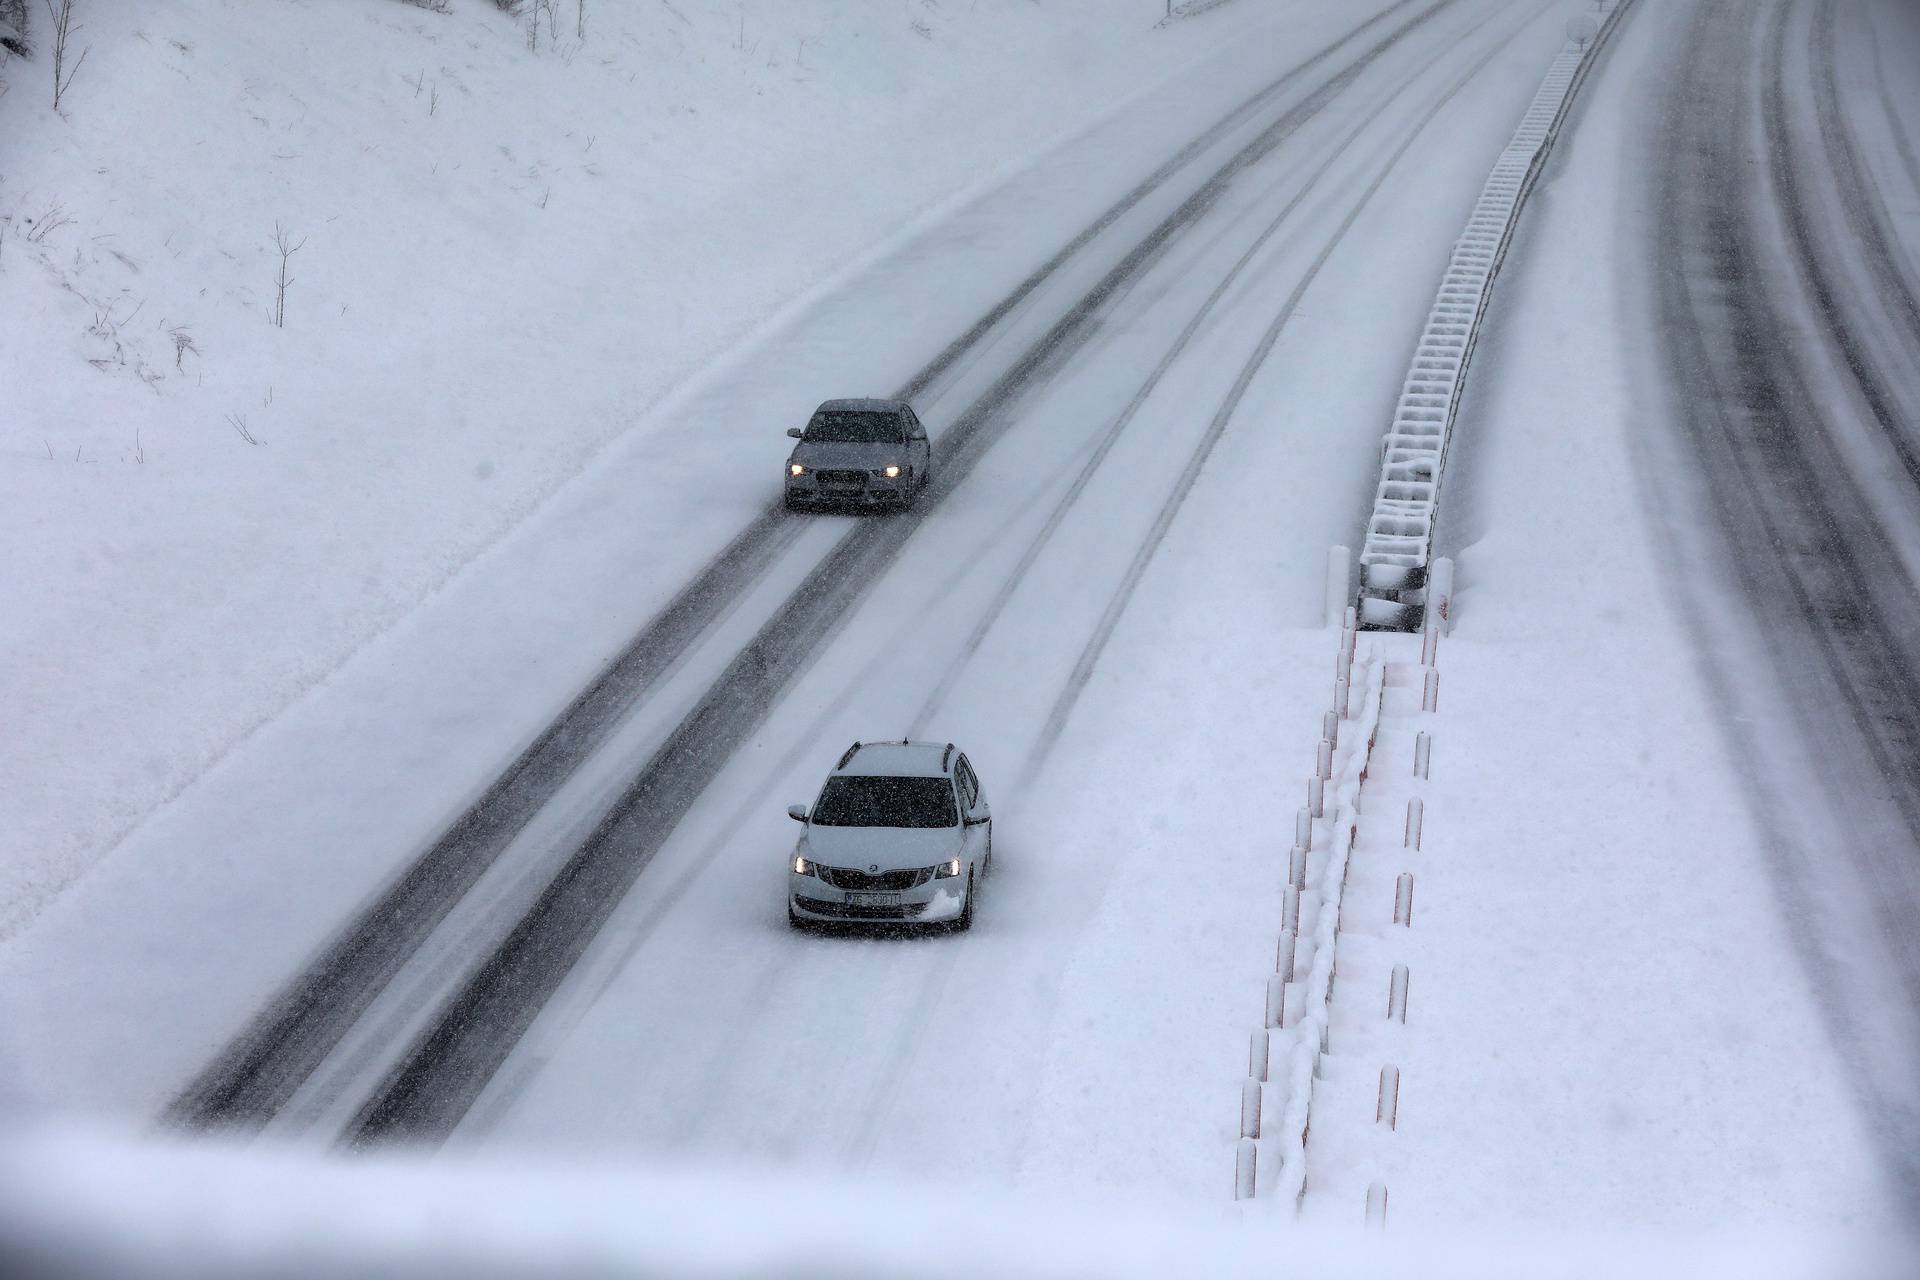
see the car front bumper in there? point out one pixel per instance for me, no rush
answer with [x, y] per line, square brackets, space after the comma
[937, 900]
[870, 490]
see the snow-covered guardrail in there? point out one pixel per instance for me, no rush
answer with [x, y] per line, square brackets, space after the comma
[1399, 541]
[1271, 1157]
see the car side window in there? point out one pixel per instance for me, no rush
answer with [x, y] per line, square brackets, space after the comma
[969, 785]
[914, 430]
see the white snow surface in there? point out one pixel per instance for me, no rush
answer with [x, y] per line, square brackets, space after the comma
[501, 436]
[85, 1204]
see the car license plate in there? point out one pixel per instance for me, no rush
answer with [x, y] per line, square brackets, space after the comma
[873, 899]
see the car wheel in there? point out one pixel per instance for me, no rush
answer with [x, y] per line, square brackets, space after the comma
[965, 922]
[986, 866]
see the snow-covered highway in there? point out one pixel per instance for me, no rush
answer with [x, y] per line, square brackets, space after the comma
[509, 881]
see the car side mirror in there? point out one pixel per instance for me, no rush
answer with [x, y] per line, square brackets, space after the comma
[982, 820]
[795, 432]
[798, 812]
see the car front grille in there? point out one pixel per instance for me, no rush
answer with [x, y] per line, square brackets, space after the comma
[849, 479]
[842, 911]
[884, 881]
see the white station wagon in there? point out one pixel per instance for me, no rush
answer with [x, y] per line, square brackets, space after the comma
[901, 833]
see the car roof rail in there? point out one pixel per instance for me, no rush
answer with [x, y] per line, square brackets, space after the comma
[946, 757]
[849, 755]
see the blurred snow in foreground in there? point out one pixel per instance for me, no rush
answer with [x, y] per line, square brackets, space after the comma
[77, 1204]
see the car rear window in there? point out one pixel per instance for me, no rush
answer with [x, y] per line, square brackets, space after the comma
[886, 802]
[837, 427]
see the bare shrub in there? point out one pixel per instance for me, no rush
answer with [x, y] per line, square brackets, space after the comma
[61, 14]
[287, 249]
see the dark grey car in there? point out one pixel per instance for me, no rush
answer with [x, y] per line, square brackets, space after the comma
[866, 453]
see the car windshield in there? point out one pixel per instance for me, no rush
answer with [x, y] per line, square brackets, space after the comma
[886, 802]
[856, 428]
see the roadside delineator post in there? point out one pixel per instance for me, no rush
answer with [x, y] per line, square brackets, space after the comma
[1440, 594]
[1297, 867]
[1323, 758]
[1387, 1110]
[1290, 909]
[1277, 998]
[1303, 829]
[1258, 1051]
[1403, 899]
[1377, 1207]
[1430, 689]
[1422, 755]
[1416, 817]
[1317, 796]
[1330, 728]
[1396, 996]
[1429, 642]
[1283, 954]
[1249, 1108]
[1340, 699]
[1246, 1154]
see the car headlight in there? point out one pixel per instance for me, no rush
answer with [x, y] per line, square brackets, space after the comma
[795, 469]
[947, 870]
[804, 866]
[893, 472]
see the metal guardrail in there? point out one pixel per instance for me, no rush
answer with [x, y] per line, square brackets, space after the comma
[1399, 540]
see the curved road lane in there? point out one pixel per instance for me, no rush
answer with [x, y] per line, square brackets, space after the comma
[1792, 336]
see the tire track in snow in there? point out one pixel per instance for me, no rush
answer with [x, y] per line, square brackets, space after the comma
[1865, 211]
[1896, 124]
[255, 1075]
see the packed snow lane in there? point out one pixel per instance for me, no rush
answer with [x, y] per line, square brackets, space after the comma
[1172, 281]
[1787, 288]
[1123, 605]
[1034, 324]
